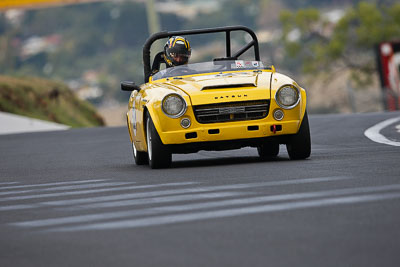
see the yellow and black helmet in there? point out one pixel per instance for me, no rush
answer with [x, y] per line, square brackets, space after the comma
[177, 51]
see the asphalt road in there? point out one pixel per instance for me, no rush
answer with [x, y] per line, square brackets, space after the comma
[75, 198]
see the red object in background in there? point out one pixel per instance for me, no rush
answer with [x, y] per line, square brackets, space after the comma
[388, 56]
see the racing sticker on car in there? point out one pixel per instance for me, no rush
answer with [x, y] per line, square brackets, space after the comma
[132, 116]
[239, 64]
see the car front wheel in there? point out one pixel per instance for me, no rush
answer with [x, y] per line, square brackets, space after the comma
[159, 155]
[299, 145]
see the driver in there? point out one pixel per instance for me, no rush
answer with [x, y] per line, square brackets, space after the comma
[176, 52]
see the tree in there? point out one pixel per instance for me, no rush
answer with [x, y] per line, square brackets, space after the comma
[319, 44]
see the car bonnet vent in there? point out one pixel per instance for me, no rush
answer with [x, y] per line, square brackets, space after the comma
[223, 86]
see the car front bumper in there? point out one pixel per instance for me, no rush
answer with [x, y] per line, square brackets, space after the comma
[230, 131]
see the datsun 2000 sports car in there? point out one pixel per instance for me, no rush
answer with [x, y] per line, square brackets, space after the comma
[226, 103]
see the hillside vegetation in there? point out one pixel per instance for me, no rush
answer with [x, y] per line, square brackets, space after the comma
[46, 100]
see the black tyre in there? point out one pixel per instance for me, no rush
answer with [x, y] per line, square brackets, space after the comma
[299, 145]
[141, 158]
[268, 150]
[159, 156]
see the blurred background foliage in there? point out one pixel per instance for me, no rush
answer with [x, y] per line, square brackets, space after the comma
[310, 40]
[99, 44]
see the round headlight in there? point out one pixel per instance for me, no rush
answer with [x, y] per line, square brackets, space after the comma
[287, 97]
[174, 105]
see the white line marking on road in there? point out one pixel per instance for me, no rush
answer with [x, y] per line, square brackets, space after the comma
[67, 187]
[7, 183]
[142, 201]
[244, 201]
[206, 205]
[173, 191]
[374, 134]
[115, 215]
[51, 184]
[62, 194]
[19, 207]
[158, 200]
[195, 216]
[190, 190]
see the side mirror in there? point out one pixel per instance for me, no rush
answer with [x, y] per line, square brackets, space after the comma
[129, 86]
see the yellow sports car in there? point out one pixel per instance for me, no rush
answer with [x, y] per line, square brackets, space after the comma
[227, 103]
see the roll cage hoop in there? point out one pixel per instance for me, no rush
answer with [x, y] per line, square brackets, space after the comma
[227, 30]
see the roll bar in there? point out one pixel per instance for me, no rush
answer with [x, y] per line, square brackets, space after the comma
[227, 30]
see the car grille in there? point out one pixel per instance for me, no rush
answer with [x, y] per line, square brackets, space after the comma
[232, 111]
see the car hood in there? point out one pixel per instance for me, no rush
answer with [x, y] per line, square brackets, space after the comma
[224, 87]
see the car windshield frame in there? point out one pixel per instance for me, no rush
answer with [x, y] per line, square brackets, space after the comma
[210, 67]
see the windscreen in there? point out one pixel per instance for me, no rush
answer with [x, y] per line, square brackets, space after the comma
[207, 67]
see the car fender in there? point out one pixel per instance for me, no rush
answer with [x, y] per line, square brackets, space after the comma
[279, 80]
[151, 104]
[129, 127]
[303, 104]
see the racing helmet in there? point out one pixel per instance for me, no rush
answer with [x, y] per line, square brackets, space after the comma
[177, 51]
